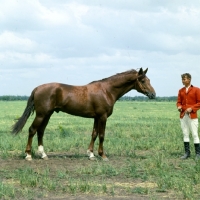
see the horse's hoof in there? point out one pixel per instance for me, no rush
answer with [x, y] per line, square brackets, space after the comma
[105, 159]
[88, 152]
[45, 158]
[28, 158]
[92, 158]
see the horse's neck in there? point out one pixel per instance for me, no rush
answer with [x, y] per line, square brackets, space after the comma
[121, 86]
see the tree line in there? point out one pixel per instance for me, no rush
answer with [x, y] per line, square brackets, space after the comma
[124, 98]
[13, 98]
[144, 98]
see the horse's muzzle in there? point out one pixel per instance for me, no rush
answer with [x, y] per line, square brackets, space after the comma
[151, 95]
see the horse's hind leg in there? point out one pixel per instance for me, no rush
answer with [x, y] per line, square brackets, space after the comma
[90, 150]
[32, 130]
[40, 134]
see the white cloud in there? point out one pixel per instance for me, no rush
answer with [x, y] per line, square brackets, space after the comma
[80, 41]
[11, 42]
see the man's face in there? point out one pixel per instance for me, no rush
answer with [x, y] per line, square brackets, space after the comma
[186, 81]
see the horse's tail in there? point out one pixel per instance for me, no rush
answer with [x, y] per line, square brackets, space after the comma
[18, 126]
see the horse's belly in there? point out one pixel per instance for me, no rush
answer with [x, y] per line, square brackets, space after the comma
[82, 112]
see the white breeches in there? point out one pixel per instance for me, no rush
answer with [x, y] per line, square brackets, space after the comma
[187, 125]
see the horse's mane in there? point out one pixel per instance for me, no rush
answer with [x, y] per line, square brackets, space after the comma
[118, 75]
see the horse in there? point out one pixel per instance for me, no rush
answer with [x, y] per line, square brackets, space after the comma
[94, 100]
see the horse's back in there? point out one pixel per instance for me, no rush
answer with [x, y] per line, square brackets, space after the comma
[86, 101]
[82, 100]
[60, 97]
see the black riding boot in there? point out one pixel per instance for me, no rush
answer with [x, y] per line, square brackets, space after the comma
[187, 150]
[197, 151]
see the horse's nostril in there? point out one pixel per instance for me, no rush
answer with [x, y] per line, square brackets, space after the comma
[151, 95]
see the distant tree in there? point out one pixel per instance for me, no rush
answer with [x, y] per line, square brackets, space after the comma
[144, 98]
[13, 98]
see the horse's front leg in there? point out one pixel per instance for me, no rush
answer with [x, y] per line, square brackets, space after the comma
[101, 131]
[90, 151]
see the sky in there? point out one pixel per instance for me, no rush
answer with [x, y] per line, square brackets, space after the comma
[78, 41]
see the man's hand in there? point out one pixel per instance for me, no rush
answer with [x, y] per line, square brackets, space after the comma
[179, 109]
[188, 110]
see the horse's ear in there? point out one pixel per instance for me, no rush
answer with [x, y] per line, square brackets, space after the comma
[145, 71]
[140, 71]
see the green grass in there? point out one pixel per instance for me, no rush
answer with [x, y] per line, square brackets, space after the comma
[143, 142]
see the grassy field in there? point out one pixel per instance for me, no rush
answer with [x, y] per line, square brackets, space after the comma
[143, 143]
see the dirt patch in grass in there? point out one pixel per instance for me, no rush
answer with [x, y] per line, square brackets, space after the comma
[68, 176]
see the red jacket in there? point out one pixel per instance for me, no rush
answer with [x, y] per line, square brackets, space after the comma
[191, 99]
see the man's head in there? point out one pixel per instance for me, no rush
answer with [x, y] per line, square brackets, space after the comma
[186, 79]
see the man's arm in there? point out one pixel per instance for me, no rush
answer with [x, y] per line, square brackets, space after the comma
[178, 103]
[197, 105]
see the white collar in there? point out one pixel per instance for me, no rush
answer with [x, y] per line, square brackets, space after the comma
[187, 88]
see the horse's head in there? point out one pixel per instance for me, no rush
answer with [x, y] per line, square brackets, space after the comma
[143, 84]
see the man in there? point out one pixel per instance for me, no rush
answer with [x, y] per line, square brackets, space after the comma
[188, 102]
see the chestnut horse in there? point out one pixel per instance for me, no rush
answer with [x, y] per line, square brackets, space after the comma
[94, 100]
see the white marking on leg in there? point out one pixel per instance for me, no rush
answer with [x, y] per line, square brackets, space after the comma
[90, 154]
[41, 151]
[28, 157]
